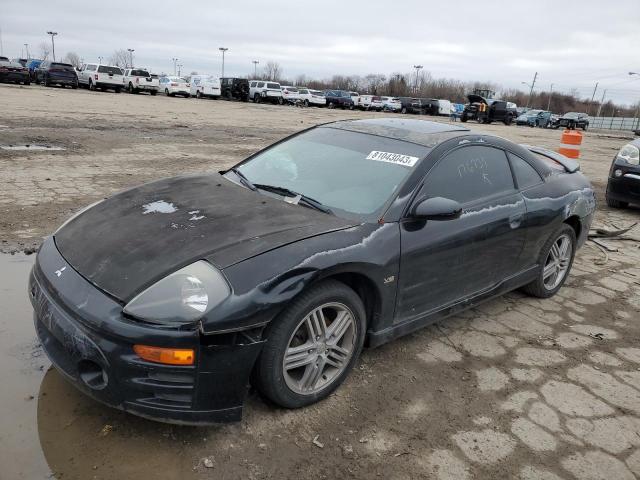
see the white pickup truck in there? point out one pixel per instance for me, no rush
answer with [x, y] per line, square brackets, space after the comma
[94, 76]
[137, 80]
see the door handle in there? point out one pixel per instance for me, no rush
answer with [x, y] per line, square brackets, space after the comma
[515, 220]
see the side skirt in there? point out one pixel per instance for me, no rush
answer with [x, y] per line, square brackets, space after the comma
[375, 339]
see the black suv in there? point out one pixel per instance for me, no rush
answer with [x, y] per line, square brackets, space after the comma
[56, 73]
[487, 110]
[339, 98]
[573, 120]
[234, 88]
[410, 105]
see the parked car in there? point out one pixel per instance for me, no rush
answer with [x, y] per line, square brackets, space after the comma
[265, 91]
[573, 120]
[95, 76]
[234, 88]
[56, 73]
[623, 186]
[285, 269]
[391, 104]
[369, 102]
[289, 94]
[339, 99]
[435, 107]
[355, 96]
[410, 105]
[32, 65]
[137, 80]
[311, 97]
[535, 118]
[488, 110]
[205, 86]
[13, 72]
[172, 86]
[21, 61]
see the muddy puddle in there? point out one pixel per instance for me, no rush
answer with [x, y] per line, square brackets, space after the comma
[50, 430]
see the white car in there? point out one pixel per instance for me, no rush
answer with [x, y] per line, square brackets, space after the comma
[311, 97]
[203, 86]
[355, 96]
[391, 104]
[370, 102]
[172, 86]
[94, 76]
[265, 91]
[290, 94]
[137, 80]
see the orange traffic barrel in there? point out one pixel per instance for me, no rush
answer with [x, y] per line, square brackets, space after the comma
[571, 139]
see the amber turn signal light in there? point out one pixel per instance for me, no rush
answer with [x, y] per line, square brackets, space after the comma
[168, 356]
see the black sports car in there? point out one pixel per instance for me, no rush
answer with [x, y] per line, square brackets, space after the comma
[623, 186]
[167, 299]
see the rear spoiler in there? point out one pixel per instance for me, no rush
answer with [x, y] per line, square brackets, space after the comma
[570, 165]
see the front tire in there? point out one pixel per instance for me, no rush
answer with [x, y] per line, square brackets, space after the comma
[555, 261]
[312, 346]
[256, 98]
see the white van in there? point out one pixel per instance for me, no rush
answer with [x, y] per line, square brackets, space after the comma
[203, 86]
[444, 107]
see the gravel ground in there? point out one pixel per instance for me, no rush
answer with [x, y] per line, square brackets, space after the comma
[517, 388]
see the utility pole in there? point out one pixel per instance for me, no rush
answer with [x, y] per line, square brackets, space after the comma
[255, 68]
[592, 97]
[531, 89]
[1, 48]
[601, 102]
[417, 67]
[26, 45]
[179, 69]
[549, 101]
[175, 62]
[53, 43]
[130, 50]
[223, 50]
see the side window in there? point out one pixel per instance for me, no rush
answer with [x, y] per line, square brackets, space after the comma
[260, 84]
[253, 84]
[468, 174]
[526, 175]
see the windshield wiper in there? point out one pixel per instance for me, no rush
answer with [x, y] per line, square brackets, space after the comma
[244, 180]
[285, 192]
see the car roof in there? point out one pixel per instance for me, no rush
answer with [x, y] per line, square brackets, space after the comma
[421, 132]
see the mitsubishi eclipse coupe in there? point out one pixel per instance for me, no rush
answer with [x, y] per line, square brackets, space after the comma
[169, 299]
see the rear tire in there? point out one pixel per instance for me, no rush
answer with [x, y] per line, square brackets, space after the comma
[556, 263]
[298, 325]
[280, 101]
[403, 110]
[153, 92]
[92, 87]
[306, 102]
[198, 94]
[166, 92]
[256, 98]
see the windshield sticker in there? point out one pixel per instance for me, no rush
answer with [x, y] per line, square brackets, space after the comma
[397, 158]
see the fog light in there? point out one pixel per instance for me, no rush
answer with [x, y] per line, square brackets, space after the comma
[618, 173]
[168, 356]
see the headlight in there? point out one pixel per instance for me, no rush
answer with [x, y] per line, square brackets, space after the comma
[181, 297]
[630, 154]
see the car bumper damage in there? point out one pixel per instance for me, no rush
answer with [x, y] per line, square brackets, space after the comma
[88, 339]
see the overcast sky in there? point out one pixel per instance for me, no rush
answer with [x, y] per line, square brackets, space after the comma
[569, 44]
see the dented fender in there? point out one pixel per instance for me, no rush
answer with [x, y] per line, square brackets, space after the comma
[263, 285]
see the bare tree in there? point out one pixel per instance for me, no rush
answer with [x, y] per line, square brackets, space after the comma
[44, 50]
[73, 58]
[273, 71]
[120, 58]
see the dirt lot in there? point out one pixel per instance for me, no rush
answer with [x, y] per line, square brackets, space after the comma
[518, 388]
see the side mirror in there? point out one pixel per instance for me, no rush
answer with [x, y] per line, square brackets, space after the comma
[436, 208]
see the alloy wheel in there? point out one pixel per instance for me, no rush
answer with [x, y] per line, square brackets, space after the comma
[557, 263]
[320, 348]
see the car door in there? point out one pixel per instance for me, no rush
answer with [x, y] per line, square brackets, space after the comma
[446, 261]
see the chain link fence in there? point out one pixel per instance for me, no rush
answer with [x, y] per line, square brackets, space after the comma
[615, 123]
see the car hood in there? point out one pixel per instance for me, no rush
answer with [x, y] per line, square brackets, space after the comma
[135, 238]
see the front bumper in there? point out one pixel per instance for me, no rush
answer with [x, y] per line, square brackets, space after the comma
[625, 188]
[86, 337]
